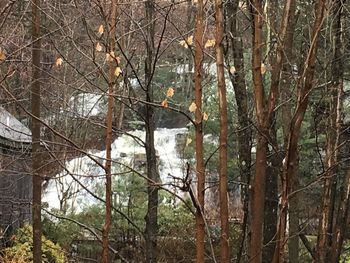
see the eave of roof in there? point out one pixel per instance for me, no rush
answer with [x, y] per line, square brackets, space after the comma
[12, 129]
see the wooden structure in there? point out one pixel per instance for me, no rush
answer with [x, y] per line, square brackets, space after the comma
[15, 176]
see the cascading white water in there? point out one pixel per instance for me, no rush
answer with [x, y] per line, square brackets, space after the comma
[124, 150]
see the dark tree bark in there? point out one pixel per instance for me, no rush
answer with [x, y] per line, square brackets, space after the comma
[200, 171]
[271, 201]
[109, 137]
[341, 225]
[265, 108]
[36, 151]
[291, 162]
[191, 16]
[151, 217]
[325, 250]
[258, 184]
[244, 133]
[286, 112]
[274, 159]
[224, 241]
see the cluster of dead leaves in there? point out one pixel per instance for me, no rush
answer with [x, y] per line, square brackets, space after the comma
[169, 93]
[192, 108]
[110, 56]
[263, 69]
[188, 42]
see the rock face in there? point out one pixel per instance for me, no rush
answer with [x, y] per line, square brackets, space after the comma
[15, 176]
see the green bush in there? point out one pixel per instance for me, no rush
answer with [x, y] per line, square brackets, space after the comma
[21, 250]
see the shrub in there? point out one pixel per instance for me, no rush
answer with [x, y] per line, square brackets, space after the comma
[22, 249]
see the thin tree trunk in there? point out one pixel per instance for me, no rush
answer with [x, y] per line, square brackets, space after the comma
[286, 112]
[244, 133]
[341, 225]
[224, 241]
[265, 114]
[290, 168]
[123, 91]
[36, 155]
[286, 93]
[258, 184]
[188, 89]
[109, 121]
[271, 201]
[293, 221]
[331, 229]
[198, 60]
[274, 159]
[151, 217]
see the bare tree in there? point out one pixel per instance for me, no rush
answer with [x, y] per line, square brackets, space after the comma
[234, 58]
[36, 151]
[224, 244]
[265, 108]
[290, 167]
[109, 121]
[151, 217]
[325, 251]
[200, 169]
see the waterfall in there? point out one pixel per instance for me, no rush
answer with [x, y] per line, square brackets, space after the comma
[128, 150]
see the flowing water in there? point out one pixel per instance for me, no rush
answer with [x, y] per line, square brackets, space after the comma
[127, 151]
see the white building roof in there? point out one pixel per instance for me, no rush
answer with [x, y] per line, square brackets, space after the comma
[12, 129]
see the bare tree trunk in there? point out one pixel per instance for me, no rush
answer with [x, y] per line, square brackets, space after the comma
[151, 218]
[258, 184]
[265, 113]
[286, 93]
[290, 167]
[237, 77]
[224, 244]
[293, 221]
[271, 201]
[325, 249]
[123, 91]
[109, 121]
[36, 155]
[274, 160]
[341, 225]
[188, 89]
[198, 60]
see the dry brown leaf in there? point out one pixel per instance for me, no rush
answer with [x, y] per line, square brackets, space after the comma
[59, 62]
[183, 43]
[232, 70]
[170, 92]
[192, 107]
[188, 141]
[117, 71]
[164, 103]
[205, 116]
[98, 47]
[190, 40]
[186, 43]
[110, 56]
[209, 43]
[100, 30]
